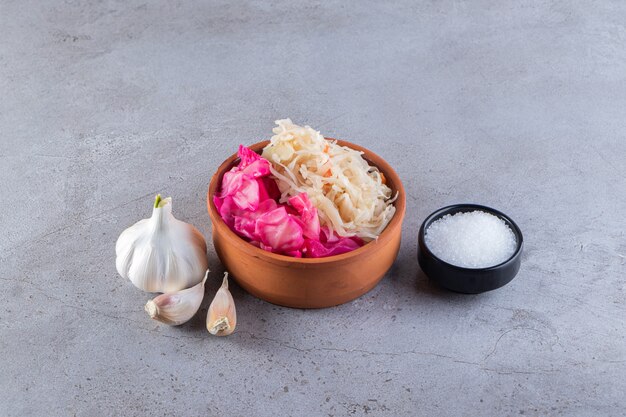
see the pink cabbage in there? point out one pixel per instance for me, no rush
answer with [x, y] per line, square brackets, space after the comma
[245, 221]
[308, 220]
[243, 189]
[279, 232]
[248, 204]
[329, 245]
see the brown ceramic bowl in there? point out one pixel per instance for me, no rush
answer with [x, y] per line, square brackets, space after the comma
[308, 282]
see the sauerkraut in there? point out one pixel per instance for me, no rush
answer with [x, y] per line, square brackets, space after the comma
[247, 201]
[351, 196]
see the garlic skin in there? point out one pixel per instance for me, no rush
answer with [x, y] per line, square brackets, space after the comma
[161, 254]
[179, 307]
[221, 318]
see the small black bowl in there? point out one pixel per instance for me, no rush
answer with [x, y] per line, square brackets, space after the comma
[468, 280]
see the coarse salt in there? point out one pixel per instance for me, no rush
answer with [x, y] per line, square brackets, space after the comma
[471, 240]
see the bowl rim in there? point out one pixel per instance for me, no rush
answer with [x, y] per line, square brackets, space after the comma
[373, 246]
[456, 208]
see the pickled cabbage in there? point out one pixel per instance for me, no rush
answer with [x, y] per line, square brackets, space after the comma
[247, 202]
[351, 196]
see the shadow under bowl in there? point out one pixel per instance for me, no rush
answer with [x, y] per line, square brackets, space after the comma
[308, 282]
[468, 280]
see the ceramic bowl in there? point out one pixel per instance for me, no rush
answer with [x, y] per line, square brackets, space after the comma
[308, 282]
[468, 280]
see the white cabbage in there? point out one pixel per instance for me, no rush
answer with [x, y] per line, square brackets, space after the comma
[350, 195]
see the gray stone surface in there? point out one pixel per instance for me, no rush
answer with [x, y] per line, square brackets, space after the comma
[517, 105]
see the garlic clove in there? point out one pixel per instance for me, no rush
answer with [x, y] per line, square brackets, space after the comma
[221, 318]
[162, 253]
[179, 307]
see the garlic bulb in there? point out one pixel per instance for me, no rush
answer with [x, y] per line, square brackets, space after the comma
[161, 254]
[179, 307]
[222, 316]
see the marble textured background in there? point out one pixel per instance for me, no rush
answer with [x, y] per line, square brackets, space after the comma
[516, 105]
